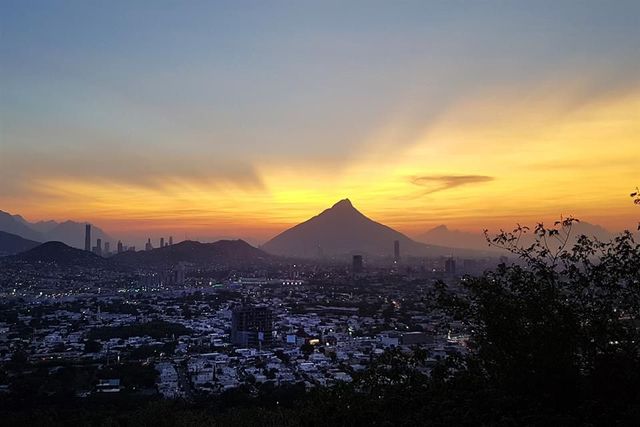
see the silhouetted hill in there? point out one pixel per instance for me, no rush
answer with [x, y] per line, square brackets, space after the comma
[341, 230]
[12, 244]
[222, 252]
[58, 253]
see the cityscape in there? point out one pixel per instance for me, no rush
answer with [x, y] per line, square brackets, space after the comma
[319, 213]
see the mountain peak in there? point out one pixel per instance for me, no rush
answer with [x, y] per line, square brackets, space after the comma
[340, 231]
[344, 203]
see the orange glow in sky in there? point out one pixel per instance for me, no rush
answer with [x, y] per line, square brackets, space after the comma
[220, 120]
[485, 163]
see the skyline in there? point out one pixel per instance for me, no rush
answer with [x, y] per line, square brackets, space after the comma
[220, 120]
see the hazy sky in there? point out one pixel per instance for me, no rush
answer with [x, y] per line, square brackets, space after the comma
[242, 118]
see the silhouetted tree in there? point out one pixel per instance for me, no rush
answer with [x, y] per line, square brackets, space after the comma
[560, 328]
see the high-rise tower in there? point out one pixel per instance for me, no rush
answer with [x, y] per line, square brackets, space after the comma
[87, 237]
[357, 264]
[396, 250]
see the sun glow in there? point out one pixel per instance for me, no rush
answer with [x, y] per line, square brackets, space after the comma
[485, 162]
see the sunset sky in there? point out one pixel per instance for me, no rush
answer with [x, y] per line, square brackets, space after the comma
[240, 119]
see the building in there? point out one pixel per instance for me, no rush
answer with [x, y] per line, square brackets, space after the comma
[107, 248]
[120, 247]
[162, 242]
[148, 246]
[357, 264]
[252, 326]
[97, 249]
[179, 274]
[170, 240]
[87, 237]
[450, 266]
[396, 250]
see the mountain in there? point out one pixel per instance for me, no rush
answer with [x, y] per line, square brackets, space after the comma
[57, 253]
[68, 232]
[591, 230]
[43, 226]
[342, 230]
[222, 252]
[72, 234]
[12, 244]
[443, 236]
[15, 224]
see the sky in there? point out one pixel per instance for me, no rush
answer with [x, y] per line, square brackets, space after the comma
[242, 118]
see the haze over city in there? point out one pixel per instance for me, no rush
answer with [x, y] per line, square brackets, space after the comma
[220, 119]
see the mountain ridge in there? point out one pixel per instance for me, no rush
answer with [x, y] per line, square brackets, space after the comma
[68, 231]
[443, 235]
[219, 252]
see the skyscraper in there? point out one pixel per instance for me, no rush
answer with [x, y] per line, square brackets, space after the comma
[170, 240]
[357, 264]
[97, 249]
[162, 242]
[148, 246]
[450, 266]
[396, 250]
[107, 248]
[120, 248]
[87, 237]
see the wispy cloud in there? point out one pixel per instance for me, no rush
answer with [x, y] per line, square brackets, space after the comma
[435, 183]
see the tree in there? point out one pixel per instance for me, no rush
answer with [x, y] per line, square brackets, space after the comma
[636, 196]
[558, 329]
[92, 346]
[306, 349]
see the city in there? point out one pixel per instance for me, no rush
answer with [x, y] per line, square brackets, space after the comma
[206, 330]
[337, 213]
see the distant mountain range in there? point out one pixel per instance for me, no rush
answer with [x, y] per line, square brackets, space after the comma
[338, 231]
[342, 230]
[442, 235]
[222, 252]
[12, 244]
[68, 232]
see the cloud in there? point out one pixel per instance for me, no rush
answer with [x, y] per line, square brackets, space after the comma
[26, 168]
[435, 183]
